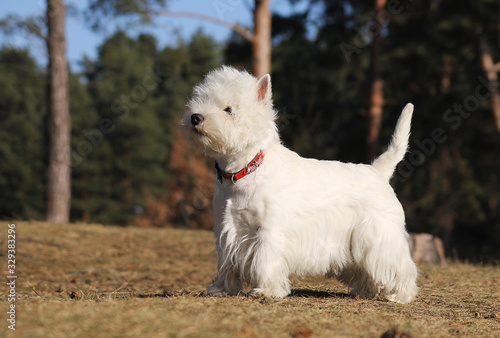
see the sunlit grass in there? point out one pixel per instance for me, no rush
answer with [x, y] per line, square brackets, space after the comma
[99, 281]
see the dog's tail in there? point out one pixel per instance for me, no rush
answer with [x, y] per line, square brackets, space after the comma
[386, 163]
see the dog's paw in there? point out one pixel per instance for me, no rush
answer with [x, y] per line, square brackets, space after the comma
[269, 293]
[216, 291]
[400, 299]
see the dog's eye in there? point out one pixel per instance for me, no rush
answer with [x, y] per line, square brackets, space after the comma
[228, 110]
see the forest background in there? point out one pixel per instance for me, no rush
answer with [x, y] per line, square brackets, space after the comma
[130, 164]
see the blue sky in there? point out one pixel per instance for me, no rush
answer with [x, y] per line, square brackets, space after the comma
[82, 41]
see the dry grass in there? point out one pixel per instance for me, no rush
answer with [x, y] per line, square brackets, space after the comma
[94, 281]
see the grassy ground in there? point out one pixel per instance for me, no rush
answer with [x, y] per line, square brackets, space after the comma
[94, 281]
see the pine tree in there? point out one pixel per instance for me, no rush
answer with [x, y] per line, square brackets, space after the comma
[88, 161]
[186, 200]
[133, 149]
[22, 138]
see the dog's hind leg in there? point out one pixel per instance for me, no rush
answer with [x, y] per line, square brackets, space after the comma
[386, 258]
[360, 283]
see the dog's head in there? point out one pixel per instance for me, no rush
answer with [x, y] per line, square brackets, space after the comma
[230, 112]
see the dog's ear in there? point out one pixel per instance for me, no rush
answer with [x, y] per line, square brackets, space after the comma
[264, 88]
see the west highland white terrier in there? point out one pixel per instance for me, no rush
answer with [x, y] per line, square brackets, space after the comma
[278, 214]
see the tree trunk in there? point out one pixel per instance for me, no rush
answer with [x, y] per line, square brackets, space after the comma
[376, 94]
[262, 39]
[59, 122]
[492, 75]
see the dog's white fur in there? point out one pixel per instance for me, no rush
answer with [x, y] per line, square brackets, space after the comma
[295, 215]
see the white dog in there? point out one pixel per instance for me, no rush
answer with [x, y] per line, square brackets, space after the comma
[278, 214]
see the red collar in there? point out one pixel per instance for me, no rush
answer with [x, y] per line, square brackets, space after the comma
[250, 168]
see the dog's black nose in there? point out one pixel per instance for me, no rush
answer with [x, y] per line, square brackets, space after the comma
[196, 119]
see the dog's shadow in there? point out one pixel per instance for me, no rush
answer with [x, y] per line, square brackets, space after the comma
[299, 293]
[306, 293]
[172, 294]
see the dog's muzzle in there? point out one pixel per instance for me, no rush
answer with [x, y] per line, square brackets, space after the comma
[197, 119]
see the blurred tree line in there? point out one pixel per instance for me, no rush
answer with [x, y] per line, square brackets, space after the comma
[125, 109]
[132, 166]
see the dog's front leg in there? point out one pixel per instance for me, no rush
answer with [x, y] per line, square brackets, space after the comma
[227, 281]
[269, 270]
